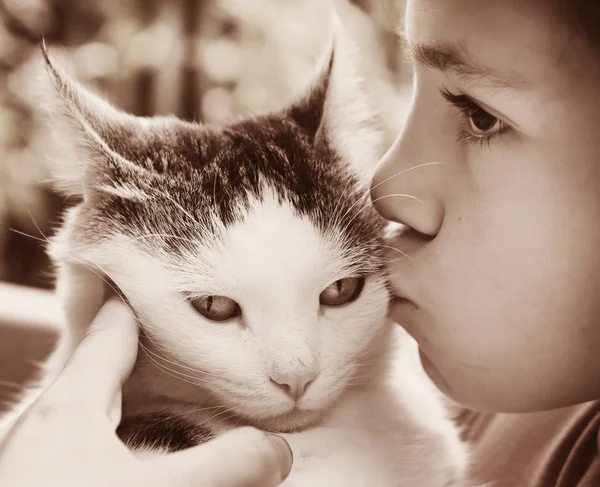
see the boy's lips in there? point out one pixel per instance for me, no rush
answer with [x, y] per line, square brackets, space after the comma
[398, 301]
[401, 311]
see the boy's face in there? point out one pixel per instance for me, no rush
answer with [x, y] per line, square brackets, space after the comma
[501, 286]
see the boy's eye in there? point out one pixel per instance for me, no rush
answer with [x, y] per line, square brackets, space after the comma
[482, 123]
[216, 308]
[342, 291]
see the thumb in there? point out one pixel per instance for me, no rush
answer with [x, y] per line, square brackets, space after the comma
[243, 457]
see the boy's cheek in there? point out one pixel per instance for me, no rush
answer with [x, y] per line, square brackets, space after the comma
[532, 360]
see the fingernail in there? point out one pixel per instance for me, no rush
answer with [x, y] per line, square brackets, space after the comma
[113, 293]
[109, 293]
[285, 453]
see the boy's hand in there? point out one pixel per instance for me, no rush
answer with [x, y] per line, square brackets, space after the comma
[68, 438]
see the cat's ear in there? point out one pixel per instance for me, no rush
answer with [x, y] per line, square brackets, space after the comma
[338, 109]
[89, 133]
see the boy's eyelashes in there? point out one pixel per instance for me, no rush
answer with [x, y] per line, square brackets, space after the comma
[480, 126]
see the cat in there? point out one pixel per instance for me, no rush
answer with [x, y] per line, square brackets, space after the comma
[253, 261]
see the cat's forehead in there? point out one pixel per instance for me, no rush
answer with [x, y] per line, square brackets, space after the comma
[216, 172]
[173, 147]
[273, 252]
[202, 181]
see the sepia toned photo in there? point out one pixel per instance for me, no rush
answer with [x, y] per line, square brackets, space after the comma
[307, 243]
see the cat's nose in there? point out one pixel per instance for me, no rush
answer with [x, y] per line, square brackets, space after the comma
[294, 385]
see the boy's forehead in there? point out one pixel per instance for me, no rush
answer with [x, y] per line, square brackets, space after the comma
[522, 42]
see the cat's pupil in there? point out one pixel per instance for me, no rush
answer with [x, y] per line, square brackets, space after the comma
[342, 291]
[216, 308]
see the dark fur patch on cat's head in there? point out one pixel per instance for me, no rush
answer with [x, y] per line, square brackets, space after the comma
[168, 177]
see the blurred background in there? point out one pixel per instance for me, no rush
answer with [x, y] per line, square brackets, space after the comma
[203, 60]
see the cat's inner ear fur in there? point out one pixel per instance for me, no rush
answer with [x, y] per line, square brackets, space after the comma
[338, 109]
[83, 126]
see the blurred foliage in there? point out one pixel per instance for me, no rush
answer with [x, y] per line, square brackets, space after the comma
[204, 60]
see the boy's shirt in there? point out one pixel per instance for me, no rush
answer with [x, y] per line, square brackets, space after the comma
[558, 448]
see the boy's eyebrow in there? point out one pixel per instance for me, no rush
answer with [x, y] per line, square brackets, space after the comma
[450, 58]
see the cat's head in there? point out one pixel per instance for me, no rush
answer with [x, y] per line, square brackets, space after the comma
[250, 253]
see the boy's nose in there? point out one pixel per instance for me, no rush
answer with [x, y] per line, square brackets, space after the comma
[406, 189]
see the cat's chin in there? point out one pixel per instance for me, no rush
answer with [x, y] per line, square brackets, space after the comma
[292, 421]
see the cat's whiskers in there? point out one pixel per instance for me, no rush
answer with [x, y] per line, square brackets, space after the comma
[196, 380]
[224, 403]
[37, 226]
[19, 232]
[338, 220]
[404, 254]
[82, 262]
[222, 410]
[340, 200]
[359, 378]
[239, 414]
[205, 384]
[169, 371]
[368, 190]
[370, 205]
[213, 393]
[356, 371]
[360, 372]
[192, 377]
[399, 173]
[240, 411]
[202, 409]
[85, 264]
[366, 363]
[158, 357]
[204, 421]
[177, 364]
[227, 410]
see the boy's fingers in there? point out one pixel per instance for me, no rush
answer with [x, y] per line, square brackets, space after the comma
[244, 457]
[102, 361]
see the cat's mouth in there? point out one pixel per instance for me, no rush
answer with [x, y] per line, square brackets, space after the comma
[295, 420]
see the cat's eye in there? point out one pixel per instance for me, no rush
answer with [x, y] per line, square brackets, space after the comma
[342, 291]
[216, 308]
